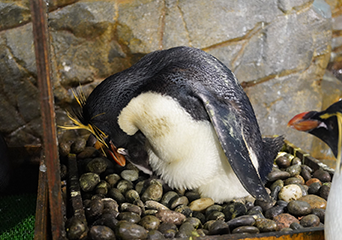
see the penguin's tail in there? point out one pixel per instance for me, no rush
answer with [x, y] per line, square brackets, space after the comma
[271, 147]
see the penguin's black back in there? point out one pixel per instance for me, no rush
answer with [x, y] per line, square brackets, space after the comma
[177, 72]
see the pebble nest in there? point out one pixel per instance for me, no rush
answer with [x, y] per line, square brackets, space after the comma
[124, 203]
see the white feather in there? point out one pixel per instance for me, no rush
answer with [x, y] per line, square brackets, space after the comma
[185, 152]
[332, 219]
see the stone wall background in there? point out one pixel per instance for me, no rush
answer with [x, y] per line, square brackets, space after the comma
[279, 51]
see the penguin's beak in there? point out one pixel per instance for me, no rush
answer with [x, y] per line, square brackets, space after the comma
[301, 124]
[113, 152]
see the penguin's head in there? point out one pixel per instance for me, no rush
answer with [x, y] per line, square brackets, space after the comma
[98, 114]
[93, 116]
[323, 125]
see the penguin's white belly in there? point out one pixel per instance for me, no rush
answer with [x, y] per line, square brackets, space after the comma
[333, 220]
[185, 152]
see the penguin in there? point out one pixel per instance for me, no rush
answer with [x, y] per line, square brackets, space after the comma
[181, 114]
[327, 125]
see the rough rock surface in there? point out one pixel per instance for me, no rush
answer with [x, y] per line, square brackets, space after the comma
[278, 50]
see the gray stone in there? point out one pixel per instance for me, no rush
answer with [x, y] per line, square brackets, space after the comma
[14, 14]
[139, 25]
[85, 20]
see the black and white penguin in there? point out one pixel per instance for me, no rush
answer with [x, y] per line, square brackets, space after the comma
[182, 114]
[327, 125]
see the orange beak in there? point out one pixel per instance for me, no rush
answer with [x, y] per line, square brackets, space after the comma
[119, 159]
[300, 124]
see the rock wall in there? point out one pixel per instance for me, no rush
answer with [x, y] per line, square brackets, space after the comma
[278, 50]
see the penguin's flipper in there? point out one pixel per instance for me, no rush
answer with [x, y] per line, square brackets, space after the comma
[229, 130]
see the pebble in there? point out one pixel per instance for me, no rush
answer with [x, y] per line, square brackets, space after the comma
[218, 227]
[155, 205]
[88, 152]
[294, 170]
[266, 225]
[185, 210]
[170, 216]
[322, 175]
[207, 224]
[192, 195]
[97, 165]
[109, 203]
[314, 188]
[314, 201]
[168, 229]
[168, 198]
[290, 192]
[179, 201]
[113, 179]
[139, 187]
[313, 180]
[319, 213]
[186, 230]
[116, 195]
[155, 235]
[276, 184]
[296, 161]
[88, 181]
[286, 230]
[256, 212]
[293, 180]
[78, 145]
[246, 220]
[150, 222]
[131, 217]
[94, 208]
[101, 233]
[284, 161]
[304, 189]
[274, 211]
[153, 192]
[324, 191]
[130, 175]
[127, 231]
[234, 210]
[296, 226]
[201, 204]
[102, 187]
[212, 208]
[195, 222]
[121, 190]
[199, 215]
[132, 195]
[215, 215]
[129, 207]
[265, 205]
[246, 229]
[108, 219]
[310, 220]
[124, 186]
[76, 229]
[306, 172]
[299, 208]
[302, 181]
[276, 175]
[284, 220]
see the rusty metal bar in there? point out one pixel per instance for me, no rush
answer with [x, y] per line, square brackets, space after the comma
[42, 52]
[41, 219]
